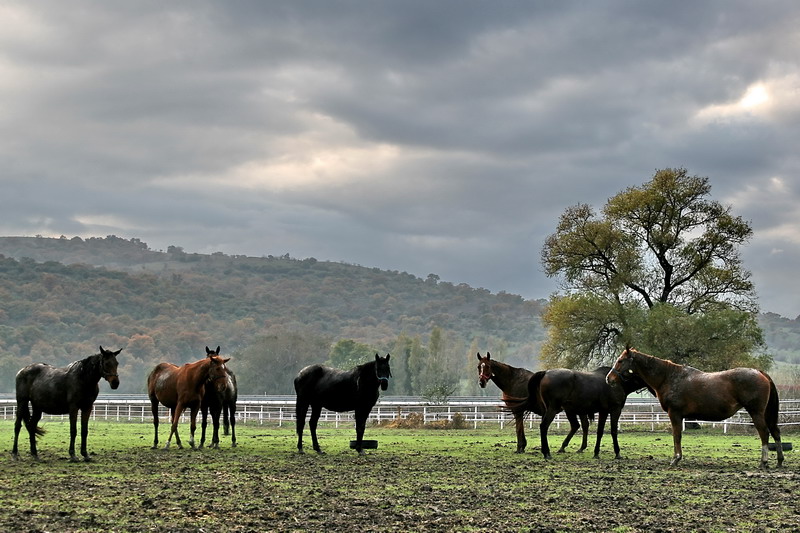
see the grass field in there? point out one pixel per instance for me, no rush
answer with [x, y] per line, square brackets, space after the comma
[417, 480]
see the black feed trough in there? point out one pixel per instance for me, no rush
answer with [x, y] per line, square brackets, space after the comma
[367, 444]
[785, 445]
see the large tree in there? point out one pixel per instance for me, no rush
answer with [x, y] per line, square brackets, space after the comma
[660, 269]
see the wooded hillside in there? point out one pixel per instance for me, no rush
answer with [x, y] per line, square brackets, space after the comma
[61, 298]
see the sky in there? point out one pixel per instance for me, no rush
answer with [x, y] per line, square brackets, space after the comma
[442, 137]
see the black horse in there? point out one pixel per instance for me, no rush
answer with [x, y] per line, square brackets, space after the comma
[220, 402]
[356, 390]
[578, 394]
[60, 391]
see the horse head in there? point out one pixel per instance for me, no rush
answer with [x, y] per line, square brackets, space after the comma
[623, 367]
[382, 370]
[217, 372]
[484, 369]
[108, 366]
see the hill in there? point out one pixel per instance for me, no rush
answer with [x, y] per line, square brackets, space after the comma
[61, 298]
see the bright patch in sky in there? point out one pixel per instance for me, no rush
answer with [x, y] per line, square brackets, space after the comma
[755, 99]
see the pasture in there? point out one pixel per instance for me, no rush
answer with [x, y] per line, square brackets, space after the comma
[417, 480]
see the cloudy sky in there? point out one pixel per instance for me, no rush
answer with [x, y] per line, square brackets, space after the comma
[423, 136]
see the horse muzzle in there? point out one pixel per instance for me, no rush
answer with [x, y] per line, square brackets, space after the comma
[384, 383]
[113, 381]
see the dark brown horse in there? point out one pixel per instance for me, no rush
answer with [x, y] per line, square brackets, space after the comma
[578, 394]
[356, 390]
[218, 403]
[685, 392]
[181, 387]
[59, 391]
[513, 383]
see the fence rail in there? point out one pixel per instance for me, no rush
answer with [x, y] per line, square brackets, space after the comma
[474, 412]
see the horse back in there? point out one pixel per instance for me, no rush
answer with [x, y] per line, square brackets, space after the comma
[331, 388]
[716, 395]
[162, 384]
[50, 389]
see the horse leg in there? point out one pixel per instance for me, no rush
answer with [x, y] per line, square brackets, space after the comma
[547, 419]
[677, 432]
[776, 435]
[316, 410]
[22, 414]
[301, 408]
[192, 424]
[73, 432]
[232, 419]
[215, 412]
[33, 430]
[602, 416]
[614, 431]
[585, 430]
[761, 426]
[85, 413]
[176, 415]
[203, 424]
[154, 410]
[522, 442]
[361, 424]
[573, 428]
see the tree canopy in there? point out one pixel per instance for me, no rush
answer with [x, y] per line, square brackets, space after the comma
[659, 269]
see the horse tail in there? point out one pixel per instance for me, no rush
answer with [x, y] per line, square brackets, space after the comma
[773, 404]
[517, 406]
[25, 415]
[533, 403]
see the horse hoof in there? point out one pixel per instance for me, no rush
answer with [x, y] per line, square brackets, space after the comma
[562, 450]
[74, 459]
[520, 450]
[233, 445]
[300, 451]
[319, 452]
[87, 459]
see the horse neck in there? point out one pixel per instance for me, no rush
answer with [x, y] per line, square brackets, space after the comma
[652, 370]
[503, 374]
[366, 374]
[87, 369]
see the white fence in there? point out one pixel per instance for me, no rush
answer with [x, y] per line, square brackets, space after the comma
[642, 413]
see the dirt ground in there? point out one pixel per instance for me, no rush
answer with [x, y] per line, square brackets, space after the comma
[415, 481]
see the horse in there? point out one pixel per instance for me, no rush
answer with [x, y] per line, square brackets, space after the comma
[513, 383]
[181, 387]
[578, 394]
[337, 390]
[59, 391]
[686, 392]
[219, 402]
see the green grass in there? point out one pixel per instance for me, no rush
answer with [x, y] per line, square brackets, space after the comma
[421, 480]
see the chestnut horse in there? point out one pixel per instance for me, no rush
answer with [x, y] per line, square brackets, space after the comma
[513, 383]
[59, 391]
[685, 392]
[319, 386]
[181, 387]
[219, 402]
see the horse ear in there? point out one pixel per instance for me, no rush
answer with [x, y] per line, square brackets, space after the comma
[478, 355]
[117, 352]
[226, 360]
[377, 357]
[387, 357]
[208, 352]
[488, 355]
[217, 352]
